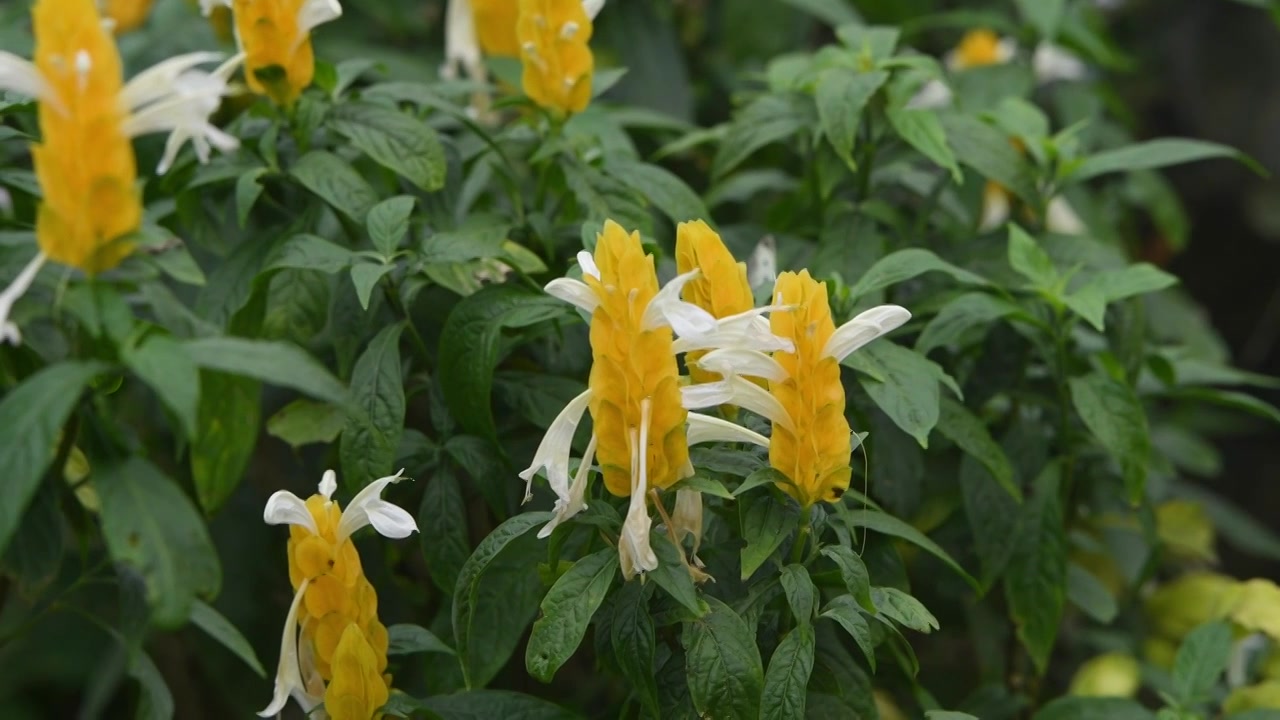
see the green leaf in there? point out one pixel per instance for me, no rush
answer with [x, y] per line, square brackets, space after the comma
[845, 611]
[766, 120]
[275, 363]
[1030, 260]
[672, 575]
[905, 264]
[150, 525]
[766, 522]
[398, 142]
[388, 223]
[480, 236]
[633, 640]
[31, 419]
[802, 596]
[566, 610]
[230, 410]
[923, 131]
[164, 365]
[1045, 15]
[904, 384]
[219, 628]
[1035, 582]
[660, 187]
[490, 704]
[854, 573]
[375, 419]
[725, 673]
[1090, 300]
[486, 634]
[841, 95]
[903, 609]
[1113, 413]
[310, 252]
[969, 433]
[1230, 399]
[889, 525]
[948, 715]
[469, 348]
[1156, 154]
[248, 189]
[365, 277]
[305, 422]
[333, 180]
[1091, 708]
[877, 42]
[1201, 660]
[786, 682]
[155, 701]
[760, 477]
[1087, 592]
[442, 523]
[405, 639]
[35, 553]
[987, 150]
[967, 312]
[833, 12]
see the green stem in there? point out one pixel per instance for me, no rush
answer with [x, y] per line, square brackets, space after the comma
[419, 345]
[804, 527]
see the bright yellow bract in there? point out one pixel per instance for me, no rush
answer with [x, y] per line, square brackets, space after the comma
[495, 22]
[978, 48]
[127, 14]
[814, 454]
[721, 288]
[554, 37]
[278, 59]
[84, 162]
[632, 364]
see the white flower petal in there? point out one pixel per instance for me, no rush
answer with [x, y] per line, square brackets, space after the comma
[285, 508]
[574, 292]
[748, 363]
[175, 97]
[588, 264]
[1006, 48]
[328, 484]
[635, 554]
[368, 508]
[736, 391]
[156, 82]
[575, 501]
[288, 676]
[995, 208]
[762, 263]
[705, 428]
[592, 7]
[553, 452]
[1061, 218]
[20, 75]
[314, 13]
[666, 309]
[745, 331]
[686, 517]
[8, 329]
[932, 95]
[867, 326]
[461, 44]
[1051, 63]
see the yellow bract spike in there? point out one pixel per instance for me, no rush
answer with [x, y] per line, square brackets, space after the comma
[978, 48]
[495, 22]
[554, 37]
[84, 162]
[278, 59]
[631, 364]
[814, 455]
[721, 289]
[127, 14]
[357, 689]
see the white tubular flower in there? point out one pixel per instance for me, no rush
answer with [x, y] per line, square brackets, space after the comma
[932, 95]
[762, 263]
[635, 555]
[745, 331]
[461, 43]
[9, 332]
[686, 518]
[368, 508]
[1061, 218]
[574, 500]
[867, 326]
[705, 428]
[555, 449]
[1052, 63]
[592, 7]
[289, 682]
[668, 310]
[736, 390]
[995, 207]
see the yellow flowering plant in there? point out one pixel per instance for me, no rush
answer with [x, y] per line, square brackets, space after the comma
[749, 359]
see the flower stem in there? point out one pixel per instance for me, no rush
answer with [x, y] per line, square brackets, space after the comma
[804, 527]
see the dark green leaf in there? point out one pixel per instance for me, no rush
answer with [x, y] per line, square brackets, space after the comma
[1035, 583]
[1230, 399]
[1113, 413]
[155, 701]
[34, 555]
[787, 680]
[375, 420]
[566, 610]
[845, 611]
[151, 526]
[903, 609]
[480, 236]
[163, 364]
[802, 596]
[275, 363]
[310, 252]
[841, 95]
[768, 119]
[725, 673]
[365, 277]
[661, 188]
[333, 180]
[248, 189]
[923, 131]
[491, 704]
[388, 223]
[395, 140]
[304, 422]
[904, 384]
[854, 573]
[889, 525]
[31, 419]
[1045, 15]
[1088, 593]
[633, 640]
[766, 523]
[1200, 662]
[1090, 708]
[407, 639]
[442, 523]
[987, 150]
[219, 628]
[230, 411]
[672, 575]
[969, 433]
[1030, 260]
[1157, 154]
[833, 12]
[905, 264]
[969, 311]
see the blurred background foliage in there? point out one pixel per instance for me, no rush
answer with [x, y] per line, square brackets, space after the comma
[1192, 68]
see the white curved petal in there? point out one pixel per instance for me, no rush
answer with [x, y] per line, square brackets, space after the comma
[156, 82]
[745, 331]
[288, 676]
[736, 391]
[686, 517]
[314, 13]
[592, 7]
[635, 554]
[20, 75]
[748, 363]
[1052, 63]
[328, 484]
[1061, 218]
[588, 264]
[1006, 48]
[666, 309]
[867, 326]
[706, 428]
[932, 95]
[574, 292]
[575, 501]
[762, 263]
[461, 44]
[995, 208]
[368, 508]
[8, 329]
[553, 452]
[285, 508]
